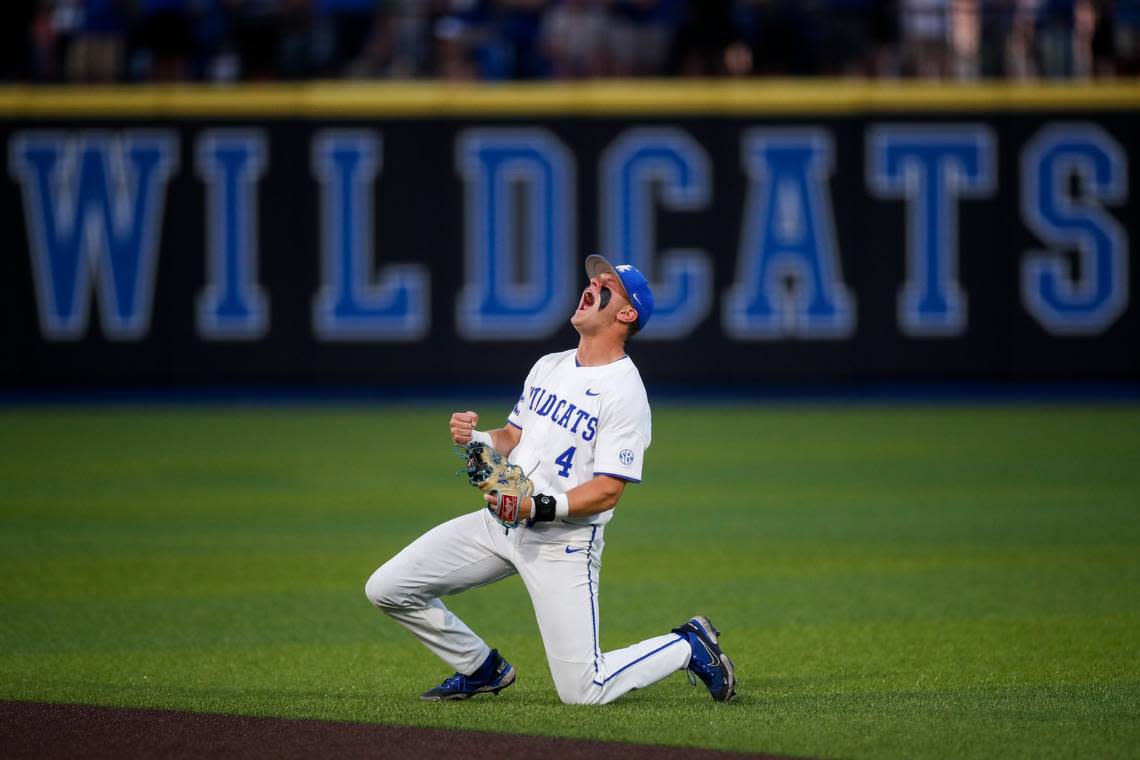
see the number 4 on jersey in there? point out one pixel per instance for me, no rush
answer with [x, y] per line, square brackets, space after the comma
[565, 459]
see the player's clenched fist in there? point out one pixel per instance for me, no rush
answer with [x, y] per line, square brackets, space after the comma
[462, 423]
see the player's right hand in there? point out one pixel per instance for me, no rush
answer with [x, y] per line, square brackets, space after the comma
[462, 423]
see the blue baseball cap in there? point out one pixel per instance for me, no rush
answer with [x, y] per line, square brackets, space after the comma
[636, 287]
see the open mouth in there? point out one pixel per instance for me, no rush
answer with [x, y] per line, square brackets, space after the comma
[587, 300]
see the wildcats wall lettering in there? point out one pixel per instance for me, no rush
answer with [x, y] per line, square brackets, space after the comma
[93, 204]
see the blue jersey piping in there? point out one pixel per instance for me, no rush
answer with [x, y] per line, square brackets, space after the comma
[639, 659]
[590, 586]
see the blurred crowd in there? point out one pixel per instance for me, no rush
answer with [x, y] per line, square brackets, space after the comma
[85, 41]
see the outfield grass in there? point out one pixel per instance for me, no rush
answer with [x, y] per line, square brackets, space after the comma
[892, 582]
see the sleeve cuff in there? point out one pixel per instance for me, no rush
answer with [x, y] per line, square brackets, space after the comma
[619, 476]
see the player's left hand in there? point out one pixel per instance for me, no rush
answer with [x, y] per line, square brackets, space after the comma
[506, 485]
[526, 505]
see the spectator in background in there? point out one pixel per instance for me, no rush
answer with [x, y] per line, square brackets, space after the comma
[1054, 35]
[397, 47]
[1076, 39]
[965, 35]
[96, 53]
[1020, 61]
[574, 34]
[1126, 46]
[470, 42]
[641, 35]
[1102, 39]
[216, 56]
[997, 29]
[454, 49]
[43, 46]
[518, 24]
[925, 38]
[228, 40]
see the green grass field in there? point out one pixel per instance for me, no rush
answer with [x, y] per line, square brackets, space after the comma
[892, 582]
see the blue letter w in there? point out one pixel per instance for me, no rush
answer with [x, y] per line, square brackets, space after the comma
[93, 206]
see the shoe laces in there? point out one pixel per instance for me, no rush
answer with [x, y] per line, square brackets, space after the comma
[689, 672]
[454, 682]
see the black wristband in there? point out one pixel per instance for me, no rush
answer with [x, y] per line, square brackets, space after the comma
[543, 508]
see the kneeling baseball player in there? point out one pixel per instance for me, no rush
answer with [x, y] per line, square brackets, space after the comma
[551, 478]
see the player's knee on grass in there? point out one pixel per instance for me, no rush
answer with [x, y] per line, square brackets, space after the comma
[575, 683]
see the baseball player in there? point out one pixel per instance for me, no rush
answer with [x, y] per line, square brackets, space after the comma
[580, 430]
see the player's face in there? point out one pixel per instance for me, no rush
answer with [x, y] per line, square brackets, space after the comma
[600, 303]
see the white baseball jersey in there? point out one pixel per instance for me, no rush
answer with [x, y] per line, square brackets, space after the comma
[578, 422]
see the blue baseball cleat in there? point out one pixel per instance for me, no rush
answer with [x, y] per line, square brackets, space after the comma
[494, 675]
[708, 662]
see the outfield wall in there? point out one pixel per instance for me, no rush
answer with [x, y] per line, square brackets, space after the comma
[374, 234]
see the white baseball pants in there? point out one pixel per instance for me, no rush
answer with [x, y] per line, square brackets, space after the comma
[559, 564]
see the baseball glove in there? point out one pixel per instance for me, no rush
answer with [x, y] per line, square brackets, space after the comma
[490, 472]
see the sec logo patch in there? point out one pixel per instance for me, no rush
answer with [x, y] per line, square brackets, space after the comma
[626, 456]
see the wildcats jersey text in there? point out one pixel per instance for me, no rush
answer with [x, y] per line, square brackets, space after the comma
[578, 422]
